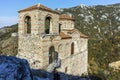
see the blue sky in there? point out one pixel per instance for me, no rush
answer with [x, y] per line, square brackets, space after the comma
[9, 8]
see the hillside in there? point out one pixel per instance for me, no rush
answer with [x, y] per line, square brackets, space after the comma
[96, 21]
[101, 23]
[8, 44]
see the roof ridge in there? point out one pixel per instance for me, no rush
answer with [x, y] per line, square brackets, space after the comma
[64, 36]
[38, 6]
[66, 17]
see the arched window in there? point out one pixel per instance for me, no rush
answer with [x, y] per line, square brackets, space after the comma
[47, 25]
[72, 48]
[28, 24]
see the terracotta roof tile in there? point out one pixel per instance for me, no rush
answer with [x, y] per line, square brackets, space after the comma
[65, 17]
[64, 36]
[83, 35]
[38, 6]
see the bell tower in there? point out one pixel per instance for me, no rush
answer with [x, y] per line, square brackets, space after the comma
[38, 19]
[34, 23]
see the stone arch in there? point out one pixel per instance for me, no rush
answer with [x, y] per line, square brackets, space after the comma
[76, 38]
[60, 48]
[27, 20]
[76, 31]
[48, 24]
[28, 24]
[51, 54]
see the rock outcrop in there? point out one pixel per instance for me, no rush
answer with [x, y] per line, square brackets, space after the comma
[12, 68]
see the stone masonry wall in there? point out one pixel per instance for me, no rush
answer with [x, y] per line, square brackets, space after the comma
[75, 64]
[34, 22]
[54, 19]
[30, 49]
[46, 44]
[30, 45]
[38, 21]
[64, 48]
[66, 24]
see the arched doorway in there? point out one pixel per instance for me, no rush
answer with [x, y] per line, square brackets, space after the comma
[72, 48]
[47, 25]
[28, 24]
[51, 54]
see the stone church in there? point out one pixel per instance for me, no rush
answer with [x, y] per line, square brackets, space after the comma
[49, 40]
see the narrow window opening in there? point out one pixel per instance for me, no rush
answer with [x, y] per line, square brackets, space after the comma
[72, 48]
[28, 24]
[47, 25]
[60, 28]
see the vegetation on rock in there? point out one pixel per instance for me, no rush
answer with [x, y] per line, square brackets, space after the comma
[8, 44]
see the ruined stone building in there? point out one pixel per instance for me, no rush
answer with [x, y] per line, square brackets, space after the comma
[49, 40]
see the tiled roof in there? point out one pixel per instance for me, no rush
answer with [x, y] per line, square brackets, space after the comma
[38, 6]
[65, 17]
[81, 34]
[64, 36]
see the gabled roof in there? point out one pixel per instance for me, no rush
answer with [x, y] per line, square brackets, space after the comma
[38, 7]
[64, 36]
[81, 34]
[65, 17]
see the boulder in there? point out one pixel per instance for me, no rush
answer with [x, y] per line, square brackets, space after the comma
[12, 68]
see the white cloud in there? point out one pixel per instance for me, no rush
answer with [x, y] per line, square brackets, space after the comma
[7, 21]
